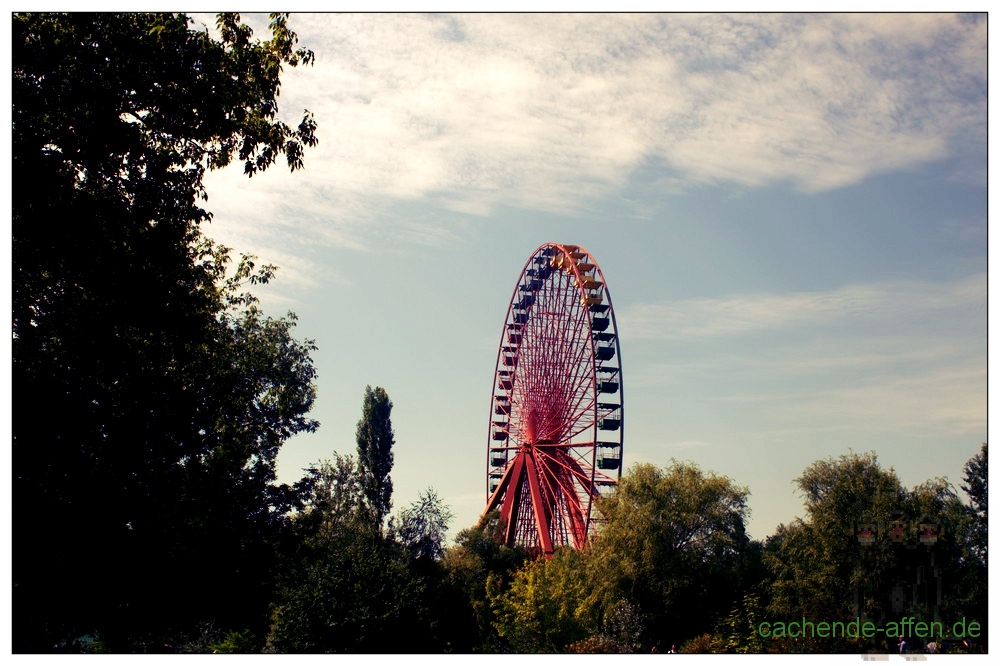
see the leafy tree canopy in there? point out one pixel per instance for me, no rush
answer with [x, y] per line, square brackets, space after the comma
[479, 555]
[673, 538]
[976, 487]
[422, 526]
[343, 587]
[151, 395]
[858, 552]
[550, 604]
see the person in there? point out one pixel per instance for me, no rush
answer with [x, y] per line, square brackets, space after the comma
[902, 645]
[673, 649]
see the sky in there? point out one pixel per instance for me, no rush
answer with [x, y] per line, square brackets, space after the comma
[790, 212]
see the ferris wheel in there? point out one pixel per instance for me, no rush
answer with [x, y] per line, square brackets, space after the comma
[556, 416]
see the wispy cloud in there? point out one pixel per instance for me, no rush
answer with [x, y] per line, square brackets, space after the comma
[900, 357]
[489, 107]
[550, 111]
[884, 305]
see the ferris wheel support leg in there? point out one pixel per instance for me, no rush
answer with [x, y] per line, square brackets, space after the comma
[498, 493]
[541, 520]
[512, 500]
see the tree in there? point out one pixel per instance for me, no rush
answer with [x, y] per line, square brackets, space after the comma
[421, 527]
[337, 588]
[819, 567]
[549, 605]
[674, 545]
[345, 588]
[331, 502]
[478, 557]
[975, 487]
[861, 551]
[150, 394]
[973, 587]
[375, 441]
[347, 594]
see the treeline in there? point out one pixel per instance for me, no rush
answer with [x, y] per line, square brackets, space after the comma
[151, 395]
[671, 570]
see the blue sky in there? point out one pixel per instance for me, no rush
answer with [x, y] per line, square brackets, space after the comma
[790, 212]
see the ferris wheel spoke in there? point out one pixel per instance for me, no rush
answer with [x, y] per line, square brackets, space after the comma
[558, 357]
[565, 471]
[571, 466]
[591, 488]
[567, 513]
[509, 489]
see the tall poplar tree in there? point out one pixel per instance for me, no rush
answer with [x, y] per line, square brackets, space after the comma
[375, 440]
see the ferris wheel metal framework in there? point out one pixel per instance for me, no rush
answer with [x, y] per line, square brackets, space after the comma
[556, 414]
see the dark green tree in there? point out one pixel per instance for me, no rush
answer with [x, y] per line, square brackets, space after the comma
[820, 569]
[973, 585]
[549, 604]
[344, 587]
[375, 441]
[672, 558]
[331, 502]
[422, 526]
[477, 558]
[150, 394]
[975, 487]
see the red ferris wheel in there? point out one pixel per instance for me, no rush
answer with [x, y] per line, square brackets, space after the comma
[556, 417]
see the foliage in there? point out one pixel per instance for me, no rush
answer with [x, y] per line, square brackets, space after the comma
[621, 634]
[624, 627]
[549, 604]
[820, 569]
[823, 570]
[975, 485]
[345, 587]
[347, 596]
[671, 557]
[331, 501]
[973, 588]
[375, 440]
[738, 632]
[598, 644]
[150, 394]
[941, 588]
[421, 527]
[674, 538]
[479, 558]
[702, 644]
[236, 642]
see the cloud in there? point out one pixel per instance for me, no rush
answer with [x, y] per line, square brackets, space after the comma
[549, 112]
[893, 357]
[533, 106]
[887, 305]
[941, 402]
